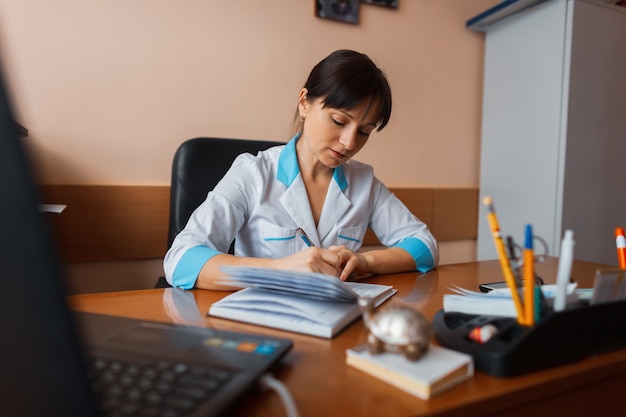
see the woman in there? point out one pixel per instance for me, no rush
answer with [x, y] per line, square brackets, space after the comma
[306, 205]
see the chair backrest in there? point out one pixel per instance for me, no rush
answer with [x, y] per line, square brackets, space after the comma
[198, 166]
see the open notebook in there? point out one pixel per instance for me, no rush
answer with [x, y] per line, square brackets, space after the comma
[297, 301]
[48, 368]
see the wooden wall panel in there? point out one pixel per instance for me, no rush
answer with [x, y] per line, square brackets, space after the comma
[109, 223]
[116, 223]
[457, 213]
[449, 213]
[418, 200]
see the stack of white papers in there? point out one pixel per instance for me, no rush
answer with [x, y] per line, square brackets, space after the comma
[496, 302]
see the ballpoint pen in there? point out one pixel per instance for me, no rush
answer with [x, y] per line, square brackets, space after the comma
[529, 278]
[563, 273]
[620, 242]
[305, 237]
[504, 261]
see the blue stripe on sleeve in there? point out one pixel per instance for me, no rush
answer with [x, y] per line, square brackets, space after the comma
[189, 266]
[419, 251]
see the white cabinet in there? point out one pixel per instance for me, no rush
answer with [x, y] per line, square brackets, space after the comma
[553, 150]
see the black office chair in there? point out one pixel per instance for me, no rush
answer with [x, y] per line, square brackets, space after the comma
[198, 166]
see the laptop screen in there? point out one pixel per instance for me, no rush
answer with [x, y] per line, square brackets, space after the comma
[41, 371]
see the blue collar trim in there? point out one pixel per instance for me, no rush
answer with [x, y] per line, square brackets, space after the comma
[288, 168]
[340, 178]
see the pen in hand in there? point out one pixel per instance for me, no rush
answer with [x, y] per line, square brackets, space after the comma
[305, 237]
[307, 240]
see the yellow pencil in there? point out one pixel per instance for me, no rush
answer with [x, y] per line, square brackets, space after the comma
[504, 262]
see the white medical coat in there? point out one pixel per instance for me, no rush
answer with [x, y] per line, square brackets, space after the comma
[262, 202]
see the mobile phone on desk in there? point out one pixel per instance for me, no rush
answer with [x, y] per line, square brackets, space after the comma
[491, 286]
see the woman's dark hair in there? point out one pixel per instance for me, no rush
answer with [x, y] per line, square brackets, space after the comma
[345, 78]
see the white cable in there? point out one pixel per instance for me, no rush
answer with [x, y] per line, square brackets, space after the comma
[269, 382]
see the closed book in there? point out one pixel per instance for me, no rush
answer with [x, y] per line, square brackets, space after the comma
[309, 303]
[438, 370]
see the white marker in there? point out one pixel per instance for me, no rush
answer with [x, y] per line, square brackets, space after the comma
[565, 269]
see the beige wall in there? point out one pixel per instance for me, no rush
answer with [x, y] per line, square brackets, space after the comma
[109, 88]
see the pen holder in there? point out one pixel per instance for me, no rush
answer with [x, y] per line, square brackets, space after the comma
[558, 339]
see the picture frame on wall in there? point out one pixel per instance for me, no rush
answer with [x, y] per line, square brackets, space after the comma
[341, 10]
[392, 4]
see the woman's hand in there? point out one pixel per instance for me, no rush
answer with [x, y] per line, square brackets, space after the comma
[313, 259]
[337, 261]
[352, 263]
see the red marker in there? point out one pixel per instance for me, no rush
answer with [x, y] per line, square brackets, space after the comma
[620, 242]
[482, 334]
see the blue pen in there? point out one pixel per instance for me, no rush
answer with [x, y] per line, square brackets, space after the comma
[304, 237]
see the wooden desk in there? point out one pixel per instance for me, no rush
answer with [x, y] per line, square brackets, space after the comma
[322, 385]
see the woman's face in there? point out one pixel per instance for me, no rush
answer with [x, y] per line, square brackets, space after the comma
[336, 135]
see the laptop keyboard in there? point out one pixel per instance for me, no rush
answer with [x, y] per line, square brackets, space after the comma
[166, 389]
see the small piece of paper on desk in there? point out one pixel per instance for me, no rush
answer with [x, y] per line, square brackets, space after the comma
[52, 208]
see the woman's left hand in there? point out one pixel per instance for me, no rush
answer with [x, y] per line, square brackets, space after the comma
[351, 262]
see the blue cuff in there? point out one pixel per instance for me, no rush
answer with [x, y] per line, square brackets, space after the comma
[424, 261]
[189, 266]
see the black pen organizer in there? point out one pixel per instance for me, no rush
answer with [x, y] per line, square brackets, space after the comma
[557, 339]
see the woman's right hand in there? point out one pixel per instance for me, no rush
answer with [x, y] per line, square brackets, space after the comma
[312, 259]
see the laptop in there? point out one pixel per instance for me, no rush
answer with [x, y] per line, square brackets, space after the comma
[54, 362]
